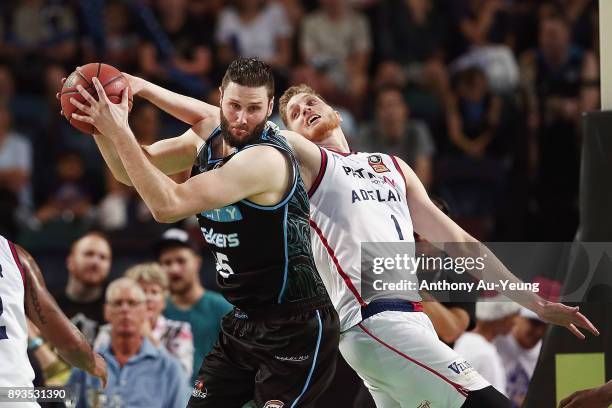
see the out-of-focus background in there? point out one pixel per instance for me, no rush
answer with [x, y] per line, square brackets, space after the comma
[482, 98]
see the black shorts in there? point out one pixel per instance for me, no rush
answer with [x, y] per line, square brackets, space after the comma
[272, 362]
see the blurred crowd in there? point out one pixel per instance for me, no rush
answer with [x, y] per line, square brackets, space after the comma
[483, 98]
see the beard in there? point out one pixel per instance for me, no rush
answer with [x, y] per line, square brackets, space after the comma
[235, 141]
[327, 124]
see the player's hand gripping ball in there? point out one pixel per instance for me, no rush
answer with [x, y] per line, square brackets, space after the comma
[111, 79]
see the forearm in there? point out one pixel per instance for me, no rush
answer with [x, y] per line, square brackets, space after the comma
[153, 186]
[445, 322]
[110, 156]
[494, 271]
[184, 108]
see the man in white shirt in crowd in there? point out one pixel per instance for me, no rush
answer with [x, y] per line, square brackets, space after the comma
[519, 351]
[493, 318]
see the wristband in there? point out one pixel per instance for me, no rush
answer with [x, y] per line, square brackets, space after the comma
[35, 343]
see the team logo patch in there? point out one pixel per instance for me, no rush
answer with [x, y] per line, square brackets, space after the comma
[274, 404]
[199, 390]
[461, 367]
[425, 404]
[376, 162]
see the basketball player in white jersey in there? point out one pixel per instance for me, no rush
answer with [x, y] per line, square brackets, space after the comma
[23, 294]
[374, 197]
[391, 344]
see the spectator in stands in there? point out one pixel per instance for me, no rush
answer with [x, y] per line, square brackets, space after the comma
[494, 318]
[180, 54]
[88, 264]
[519, 351]
[41, 31]
[410, 44]
[69, 197]
[480, 22]
[394, 132]
[139, 374]
[119, 39]
[470, 176]
[174, 336]
[15, 170]
[189, 301]
[473, 114]
[560, 81]
[336, 43]
[255, 28]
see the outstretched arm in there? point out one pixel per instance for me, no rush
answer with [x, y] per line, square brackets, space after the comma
[436, 227]
[184, 108]
[42, 310]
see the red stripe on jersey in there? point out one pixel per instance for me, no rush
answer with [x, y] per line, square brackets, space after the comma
[460, 389]
[320, 175]
[330, 251]
[17, 261]
[397, 166]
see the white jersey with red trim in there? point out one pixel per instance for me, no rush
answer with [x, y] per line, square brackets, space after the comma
[357, 197]
[15, 368]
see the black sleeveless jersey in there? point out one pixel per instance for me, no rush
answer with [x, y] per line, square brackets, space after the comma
[263, 253]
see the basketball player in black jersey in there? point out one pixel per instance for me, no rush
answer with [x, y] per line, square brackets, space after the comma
[278, 347]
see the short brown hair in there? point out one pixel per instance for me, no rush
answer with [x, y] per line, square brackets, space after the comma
[290, 93]
[249, 72]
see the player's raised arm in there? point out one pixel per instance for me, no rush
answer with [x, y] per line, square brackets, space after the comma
[184, 108]
[431, 223]
[42, 310]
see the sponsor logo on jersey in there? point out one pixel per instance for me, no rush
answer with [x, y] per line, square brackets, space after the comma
[364, 174]
[376, 162]
[1, 276]
[425, 404]
[199, 390]
[220, 240]
[375, 195]
[459, 367]
[230, 213]
[274, 404]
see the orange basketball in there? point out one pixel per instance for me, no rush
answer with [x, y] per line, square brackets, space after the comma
[111, 79]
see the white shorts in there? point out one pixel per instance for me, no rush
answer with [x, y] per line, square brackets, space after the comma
[404, 364]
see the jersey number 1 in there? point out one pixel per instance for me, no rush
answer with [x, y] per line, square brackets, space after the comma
[397, 228]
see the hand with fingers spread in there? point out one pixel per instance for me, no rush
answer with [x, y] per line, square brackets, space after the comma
[108, 118]
[566, 316]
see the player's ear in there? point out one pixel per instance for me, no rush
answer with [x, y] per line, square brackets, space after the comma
[339, 116]
[220, 95]
[270, 107]
[107, 312]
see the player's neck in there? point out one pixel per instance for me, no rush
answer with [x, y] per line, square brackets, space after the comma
[335, 140]
[78, 292]
[188, 298]
[125, 347]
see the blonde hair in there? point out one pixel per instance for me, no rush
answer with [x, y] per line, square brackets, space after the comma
[149, 272]
[290, 93]
[124, 283]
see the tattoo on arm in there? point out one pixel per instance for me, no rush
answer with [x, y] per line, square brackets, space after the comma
[36, 305]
